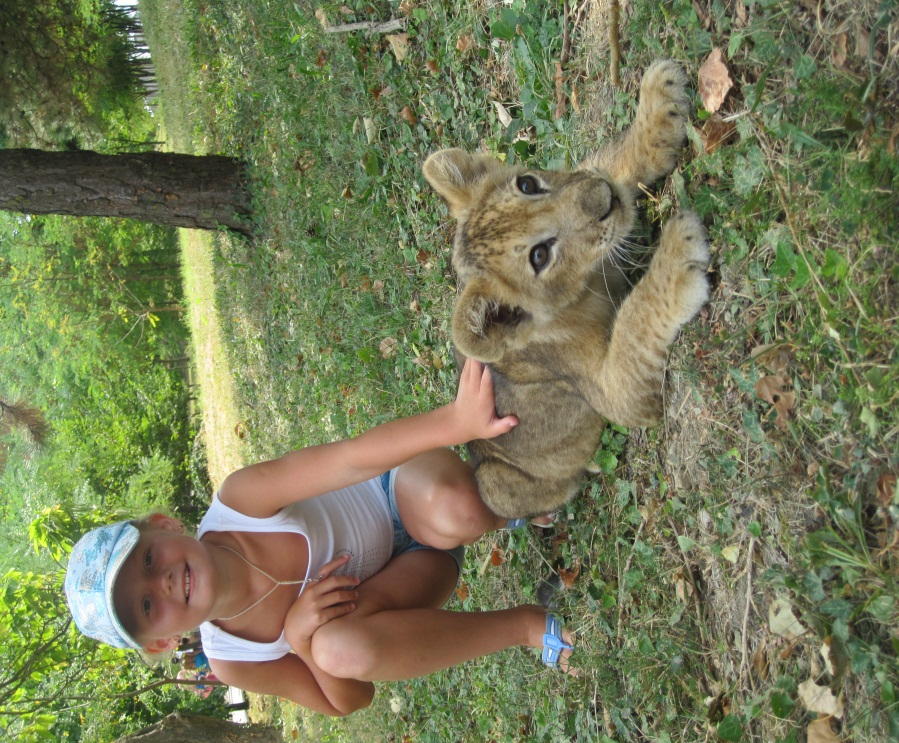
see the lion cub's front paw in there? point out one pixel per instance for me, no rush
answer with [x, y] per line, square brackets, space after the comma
[662, 115]
[681, 262]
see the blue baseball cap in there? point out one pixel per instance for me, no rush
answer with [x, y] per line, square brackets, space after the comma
[94, 564]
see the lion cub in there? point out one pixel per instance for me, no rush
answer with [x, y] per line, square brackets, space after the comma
[544, 302]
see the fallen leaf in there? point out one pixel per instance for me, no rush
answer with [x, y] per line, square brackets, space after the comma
[716, 132]
[408, 115]
[432, 67]
[496, 557]
[819, 699]
[820, 731]
[239, 431]
[464, 43]
[683, 589]
[760, 660]
[886, 489]
[406, 7]
[388, 347]
[840, 51]
[714, 81]
[399, 43]
[771, 389]
[462, 591]
[502, 113]
[731, 553]
[371, 131]
[568, 577]
[782, 621]
[775, 357]
[322, 18]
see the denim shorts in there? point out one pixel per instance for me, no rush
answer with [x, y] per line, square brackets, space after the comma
[402, 541]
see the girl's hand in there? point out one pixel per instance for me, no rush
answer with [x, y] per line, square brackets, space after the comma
[332, 596]
[475, 406]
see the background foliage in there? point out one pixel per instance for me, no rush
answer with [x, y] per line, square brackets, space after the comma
[93, 346]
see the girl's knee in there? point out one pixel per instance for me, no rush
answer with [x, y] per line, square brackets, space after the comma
[345, 650]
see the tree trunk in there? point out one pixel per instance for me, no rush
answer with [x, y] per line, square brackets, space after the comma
[202, 192]
[184, 728]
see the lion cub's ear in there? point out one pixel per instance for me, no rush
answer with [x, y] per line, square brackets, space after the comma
[483, 326]
[455, 175]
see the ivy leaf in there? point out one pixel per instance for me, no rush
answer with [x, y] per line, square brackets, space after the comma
[730, 729]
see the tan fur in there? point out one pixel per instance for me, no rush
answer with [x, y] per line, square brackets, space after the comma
[543, 303]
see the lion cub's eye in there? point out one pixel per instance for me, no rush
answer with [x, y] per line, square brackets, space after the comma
[528, 185]
[539, 255]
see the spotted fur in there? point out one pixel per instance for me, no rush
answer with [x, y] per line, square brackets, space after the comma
[542, 301]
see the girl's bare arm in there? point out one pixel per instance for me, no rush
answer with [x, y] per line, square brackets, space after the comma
[290, 678]
[263, 489]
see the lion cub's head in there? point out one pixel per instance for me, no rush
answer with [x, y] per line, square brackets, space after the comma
[526, 245]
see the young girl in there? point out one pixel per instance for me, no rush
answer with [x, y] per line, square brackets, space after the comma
[341, 553]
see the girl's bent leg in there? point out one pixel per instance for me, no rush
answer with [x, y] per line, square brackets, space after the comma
[397, 631]
[439, 503]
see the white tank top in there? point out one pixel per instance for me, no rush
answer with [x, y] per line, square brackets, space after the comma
[354, 520]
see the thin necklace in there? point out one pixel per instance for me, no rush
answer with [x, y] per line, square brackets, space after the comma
[270, 591]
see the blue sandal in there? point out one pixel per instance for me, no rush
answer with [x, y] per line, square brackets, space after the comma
[553, 644]
[519, 523]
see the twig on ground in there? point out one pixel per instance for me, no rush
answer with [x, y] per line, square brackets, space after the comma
[745, 652]
[371, 27]
[627, 566]
[614, 45]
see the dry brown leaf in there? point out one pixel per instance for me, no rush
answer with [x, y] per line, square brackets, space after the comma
[838, 55]
[399, 43]
[388, 347]
[322, 18]
[819, 699]
[462, 591]
[432, 67]
[820, 731]
[408, 115]
[742, 15]
[886, 489]
[683, 589]
[771, 389]
[496, 557]
[568, 577]
[782, 621]
[464, 43]
[406, 7]
[775, 357]
[827, 655]
[760, 660]
[716, 132]
[714, 81]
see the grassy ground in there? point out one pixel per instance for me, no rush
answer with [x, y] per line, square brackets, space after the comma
[729, 570]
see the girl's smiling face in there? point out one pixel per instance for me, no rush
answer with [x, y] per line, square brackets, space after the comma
[167, 585]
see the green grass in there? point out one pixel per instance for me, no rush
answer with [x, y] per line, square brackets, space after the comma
[678, 549]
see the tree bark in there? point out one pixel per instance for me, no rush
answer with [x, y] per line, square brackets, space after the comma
[185, 728]
[203, 192]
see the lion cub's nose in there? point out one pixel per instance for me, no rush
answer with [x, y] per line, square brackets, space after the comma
[597, 198]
